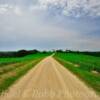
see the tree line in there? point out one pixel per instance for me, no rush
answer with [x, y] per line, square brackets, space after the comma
[19, 53]
[91, 53]
[23, 52]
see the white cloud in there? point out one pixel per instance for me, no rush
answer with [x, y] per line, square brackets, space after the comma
[3, 9]
[75, 8]
[7, 9]
[17, 11]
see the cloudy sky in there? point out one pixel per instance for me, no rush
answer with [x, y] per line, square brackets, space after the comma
[50, 24]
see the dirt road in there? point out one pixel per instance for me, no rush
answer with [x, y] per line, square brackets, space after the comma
[49, 80]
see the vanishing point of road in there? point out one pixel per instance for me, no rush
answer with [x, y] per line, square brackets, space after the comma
[49, 80]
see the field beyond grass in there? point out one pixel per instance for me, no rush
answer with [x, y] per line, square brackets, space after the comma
[11, 69]
[86, 67]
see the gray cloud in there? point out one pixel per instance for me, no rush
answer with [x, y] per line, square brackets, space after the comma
[28, 24]
[76, 8]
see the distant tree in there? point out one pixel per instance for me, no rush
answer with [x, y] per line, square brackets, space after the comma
[21, 53]
[68, 51]
[33, 51]
[60, 51]
[44, 51]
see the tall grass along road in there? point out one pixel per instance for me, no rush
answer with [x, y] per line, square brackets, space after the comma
[49, 80]
[11, 69]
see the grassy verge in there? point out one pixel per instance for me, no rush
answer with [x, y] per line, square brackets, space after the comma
[12, 60]
[83, 70]
[10, 73]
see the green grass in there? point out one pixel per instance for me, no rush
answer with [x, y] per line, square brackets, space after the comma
[16, 68]
[84, 69]
[5, 61]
